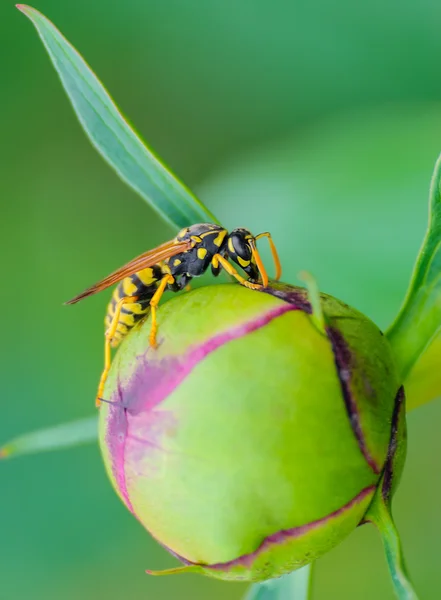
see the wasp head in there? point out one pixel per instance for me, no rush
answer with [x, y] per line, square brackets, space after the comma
[241, 249]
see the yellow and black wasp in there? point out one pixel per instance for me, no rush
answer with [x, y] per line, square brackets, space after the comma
[172, 266]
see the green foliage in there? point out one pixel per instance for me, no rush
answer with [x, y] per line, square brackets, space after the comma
[66, 435]
[112, 135]
[136, 164]
[423, 384]
[420, 317]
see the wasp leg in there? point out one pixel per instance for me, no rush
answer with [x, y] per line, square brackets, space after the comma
[107, 348]
[218, 259]
[165, 281]
[184, 283]
[215, 270]
[274, 253]
[259, 264]
[181, 284]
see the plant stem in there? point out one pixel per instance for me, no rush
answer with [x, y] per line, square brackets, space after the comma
[380, 515]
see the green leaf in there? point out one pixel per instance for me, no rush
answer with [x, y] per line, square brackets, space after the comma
[420, 317]
[112, 135]
[423, 383]
[295, 586]
[67, 435]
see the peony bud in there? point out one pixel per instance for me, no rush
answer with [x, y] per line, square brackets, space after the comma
[250, 442]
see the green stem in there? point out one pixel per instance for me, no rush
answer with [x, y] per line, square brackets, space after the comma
[420, 316]
[295, 586]
[380, 515]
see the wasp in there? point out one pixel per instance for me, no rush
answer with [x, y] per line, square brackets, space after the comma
[172, 266]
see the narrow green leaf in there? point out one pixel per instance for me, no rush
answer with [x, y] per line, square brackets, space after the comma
[295, 586]
[66, 435]
[112, 135]
[420, 317]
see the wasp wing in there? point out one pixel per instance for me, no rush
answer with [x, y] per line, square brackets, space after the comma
[147, 259]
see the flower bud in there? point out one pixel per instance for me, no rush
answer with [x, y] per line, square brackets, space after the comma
[250, 442]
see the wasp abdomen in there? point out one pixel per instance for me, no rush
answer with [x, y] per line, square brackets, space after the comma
[141, 285]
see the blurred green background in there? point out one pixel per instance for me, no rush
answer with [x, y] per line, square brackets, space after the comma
[320, 122]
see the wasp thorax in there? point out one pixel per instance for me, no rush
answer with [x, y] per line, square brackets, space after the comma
[198, 232]
[248, 442]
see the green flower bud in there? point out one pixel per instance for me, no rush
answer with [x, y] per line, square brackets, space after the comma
[250, 441]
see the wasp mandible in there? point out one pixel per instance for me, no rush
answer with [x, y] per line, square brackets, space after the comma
[172, 266]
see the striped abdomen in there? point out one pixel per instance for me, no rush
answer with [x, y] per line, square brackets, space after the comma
[143, 285]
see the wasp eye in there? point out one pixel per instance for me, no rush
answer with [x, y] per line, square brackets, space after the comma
[244, 250]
